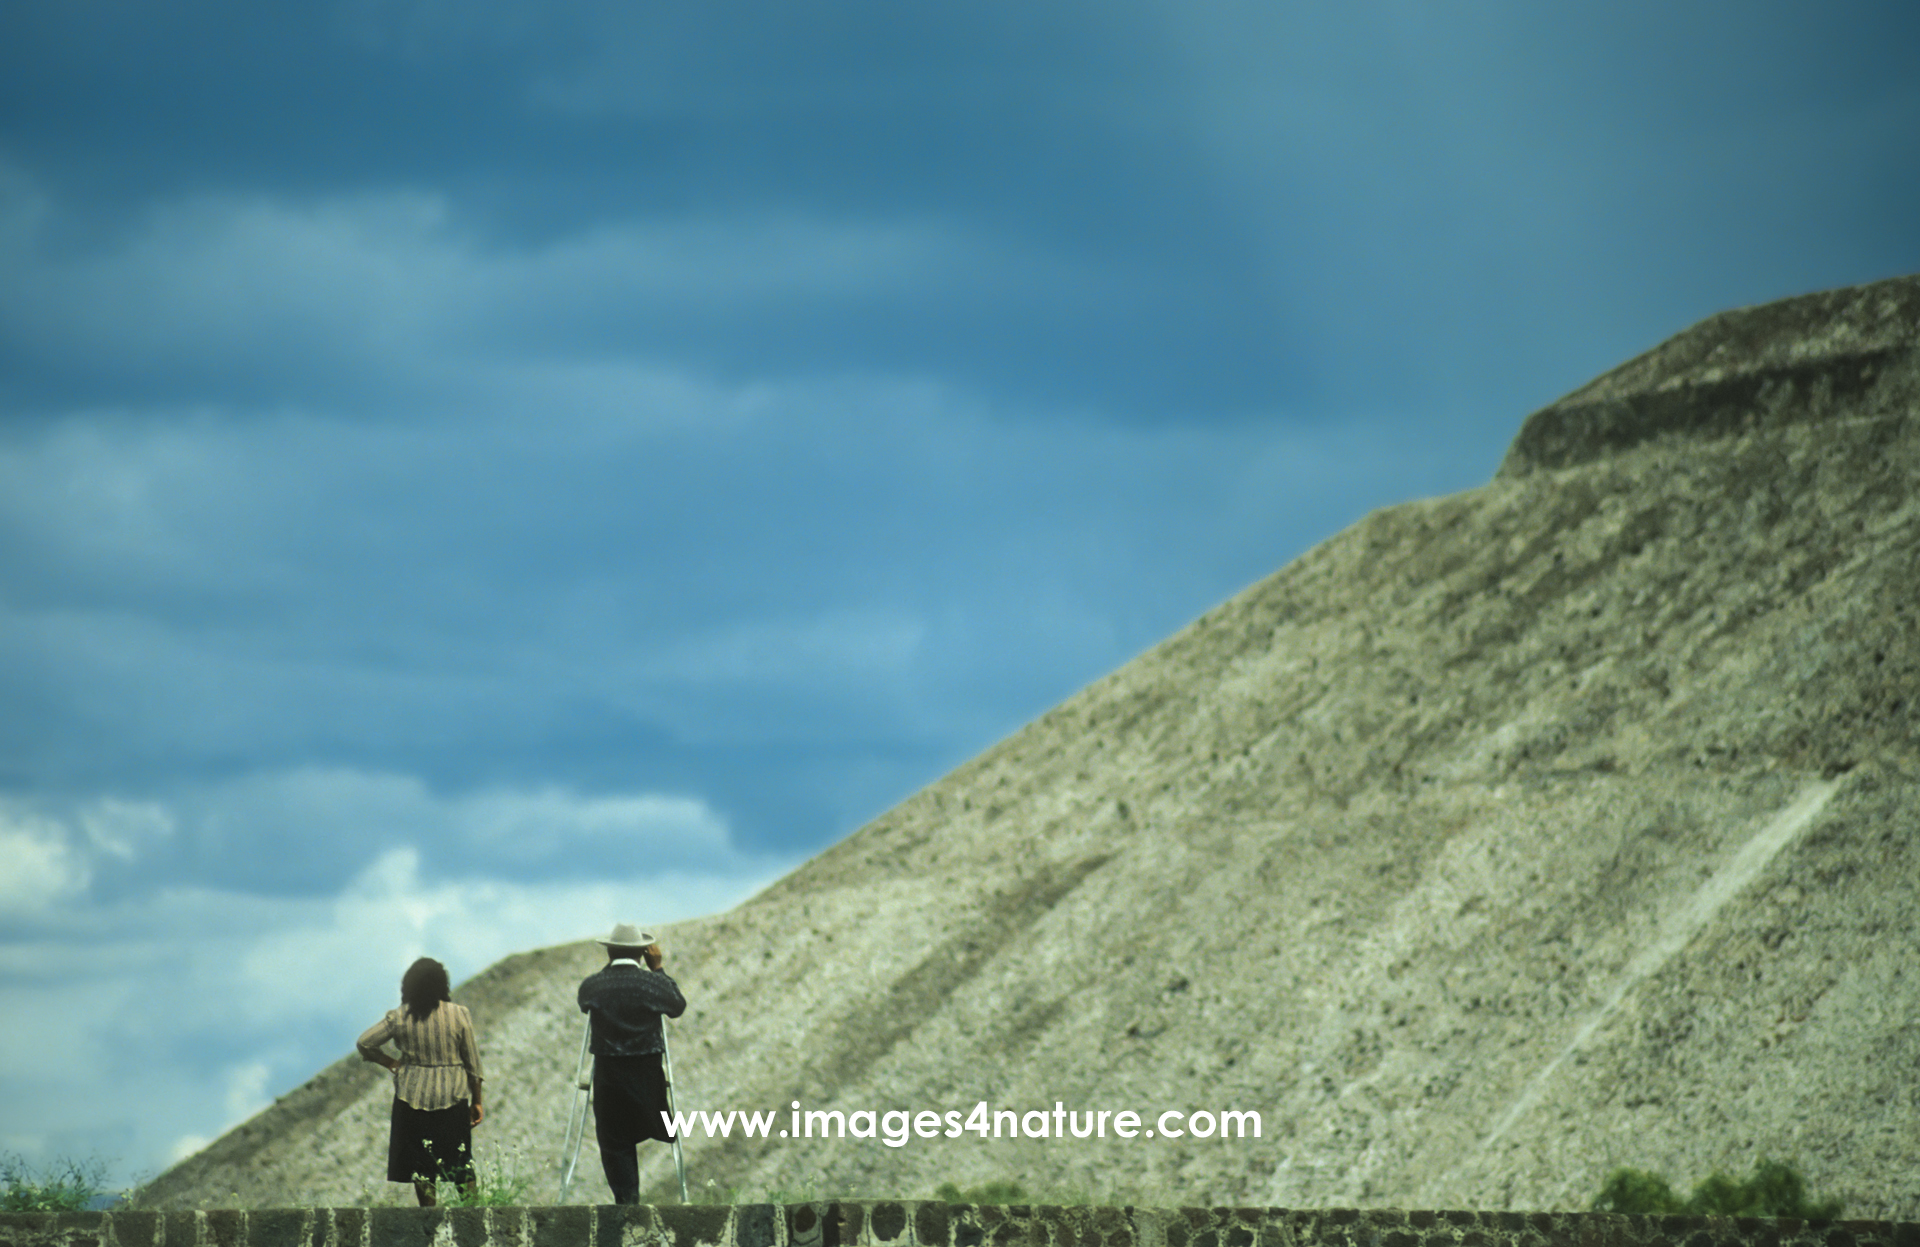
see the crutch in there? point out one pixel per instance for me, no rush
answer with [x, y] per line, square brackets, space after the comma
[577, 1115]
[666, 1067]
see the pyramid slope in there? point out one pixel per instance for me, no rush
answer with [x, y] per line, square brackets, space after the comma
[1501, 839]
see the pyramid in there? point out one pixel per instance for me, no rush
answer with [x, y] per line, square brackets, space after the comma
[1500, 840]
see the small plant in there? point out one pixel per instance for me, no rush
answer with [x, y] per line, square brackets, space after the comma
[1774, 1190]
[64, 1186]
[495, 1185]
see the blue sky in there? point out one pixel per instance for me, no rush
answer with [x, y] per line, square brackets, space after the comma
[472, 473]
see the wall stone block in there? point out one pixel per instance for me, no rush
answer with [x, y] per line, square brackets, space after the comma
[903, 1223]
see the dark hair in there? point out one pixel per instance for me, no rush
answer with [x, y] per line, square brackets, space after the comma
[424, 987]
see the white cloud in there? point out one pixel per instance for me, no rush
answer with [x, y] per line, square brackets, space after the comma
[260, 991]
[342, 960]
[41, 869]
[272, 826]
[185, 1146]
[386, 815]
[123, 828]
[246, 1090]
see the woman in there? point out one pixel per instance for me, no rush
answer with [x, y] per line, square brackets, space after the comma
[436, 1082]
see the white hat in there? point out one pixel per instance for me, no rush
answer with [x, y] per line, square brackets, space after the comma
[626, 935]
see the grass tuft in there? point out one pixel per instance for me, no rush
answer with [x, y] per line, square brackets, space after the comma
[66, 1185]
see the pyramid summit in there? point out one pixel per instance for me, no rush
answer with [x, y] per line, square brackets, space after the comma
[1500, 840]
[1840, 354]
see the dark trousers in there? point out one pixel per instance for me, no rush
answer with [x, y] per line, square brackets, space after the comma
[619, 1160]
[628, 1094]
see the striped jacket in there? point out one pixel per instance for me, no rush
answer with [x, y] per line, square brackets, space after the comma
[437, 1054]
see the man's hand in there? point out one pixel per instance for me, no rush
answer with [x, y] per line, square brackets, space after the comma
[480, 1113]
[655, 958]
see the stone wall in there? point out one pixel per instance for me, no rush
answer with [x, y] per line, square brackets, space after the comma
[922, 1224]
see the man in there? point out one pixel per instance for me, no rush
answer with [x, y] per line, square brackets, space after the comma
[625, 1003]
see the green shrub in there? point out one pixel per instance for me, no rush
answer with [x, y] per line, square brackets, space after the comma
[1774, 1190]
[64, 1186]
[1636, 1190]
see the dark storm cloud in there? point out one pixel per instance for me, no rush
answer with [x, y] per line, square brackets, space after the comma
[1175, 213]
[1050, 143]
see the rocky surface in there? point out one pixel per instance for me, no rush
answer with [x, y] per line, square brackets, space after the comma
[1500, 840]
[890, 1223]
[1840, 354]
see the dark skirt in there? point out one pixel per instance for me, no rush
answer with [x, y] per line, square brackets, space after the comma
[629, 1095]
[430, 1145]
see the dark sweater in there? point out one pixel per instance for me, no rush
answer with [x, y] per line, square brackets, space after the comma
[625, 1003]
